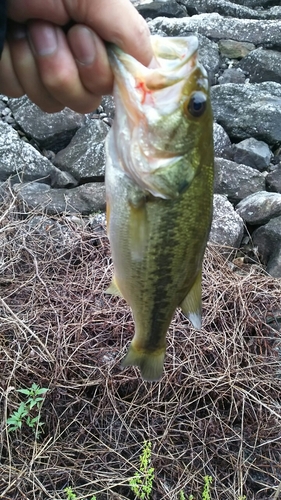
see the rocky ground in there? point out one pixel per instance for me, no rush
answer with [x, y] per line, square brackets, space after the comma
[57, 161]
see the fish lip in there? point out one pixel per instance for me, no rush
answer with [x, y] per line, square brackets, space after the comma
[174, 60]
[161, 49]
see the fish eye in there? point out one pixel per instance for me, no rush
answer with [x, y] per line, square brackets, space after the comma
[196, 104]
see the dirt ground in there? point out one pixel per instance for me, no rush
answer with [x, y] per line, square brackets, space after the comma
[216, 411]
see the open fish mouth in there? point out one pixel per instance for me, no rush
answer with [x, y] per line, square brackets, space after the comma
[161, 83]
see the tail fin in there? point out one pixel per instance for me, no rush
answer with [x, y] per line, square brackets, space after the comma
[150, 363]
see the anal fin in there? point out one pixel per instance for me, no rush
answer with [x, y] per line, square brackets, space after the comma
[192, 304]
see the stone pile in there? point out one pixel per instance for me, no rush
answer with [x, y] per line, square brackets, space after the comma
[56, 162]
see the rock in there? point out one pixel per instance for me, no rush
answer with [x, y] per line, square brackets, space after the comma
[208, 50]
[3, 190]
[236, 181]
[256, 3]
[50, 131]
[273, 180]
[83, 199]
[234, 49]
[229, 8]
[84, 157]
[21, 162]
[255, 154]
[216, 27]
[259, 208]
[268, 240]
[274, 264]
[46, 228]
[62, 179]
[108, 106]
[262, 65]
[222, 143]
[232, 75]
[227, 226]
[160, 8]
[252, 110]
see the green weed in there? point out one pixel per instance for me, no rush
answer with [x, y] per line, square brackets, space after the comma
[141, 483]
[206, 490]
[205, 493]
[26, 412]
[70, 495]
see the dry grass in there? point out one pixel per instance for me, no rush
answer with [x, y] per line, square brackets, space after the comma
[216, 410]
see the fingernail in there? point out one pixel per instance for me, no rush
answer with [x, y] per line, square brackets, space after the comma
[84, 48]
[43, 40]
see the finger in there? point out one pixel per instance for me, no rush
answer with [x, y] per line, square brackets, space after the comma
[48, 10]
[114, 21]
[57, 67]
[26, 70]
[91, 59]
[9, 83]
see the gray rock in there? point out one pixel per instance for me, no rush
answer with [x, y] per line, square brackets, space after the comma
[20, 162]
[216, 27]
[225, 8]
[232, 75]
[222, 143]
[234, 49]
[255, 154]
[44, 228]
[4, 189]
[108, 105]
[84, 157]
[160, 8]
[259, 208]
[256, 3]
[208, 50]
[262, 65]
[62, 179]
[50, 131]
[227, 226]
[268, 240]
[274, 264]
[252, 110]
[236, 181]
[273, 180]
[83, 199]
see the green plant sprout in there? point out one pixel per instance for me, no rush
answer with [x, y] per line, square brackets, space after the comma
[141, 483]
[206, 490]
[205, 493]
[70, 495]
[26, 410]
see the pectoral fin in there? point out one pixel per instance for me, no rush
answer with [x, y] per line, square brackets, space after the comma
[139, 232]
[113, 289]
[192, 305]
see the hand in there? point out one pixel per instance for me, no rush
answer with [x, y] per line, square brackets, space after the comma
[57, 68]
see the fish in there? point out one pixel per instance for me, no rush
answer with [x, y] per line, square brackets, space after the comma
[159, 179]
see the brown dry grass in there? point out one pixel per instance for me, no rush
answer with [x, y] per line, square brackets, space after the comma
[216, 410]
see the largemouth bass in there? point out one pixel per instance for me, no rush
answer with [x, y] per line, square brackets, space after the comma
[159, 189]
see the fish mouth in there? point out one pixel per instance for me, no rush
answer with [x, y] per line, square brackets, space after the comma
[160, 84]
